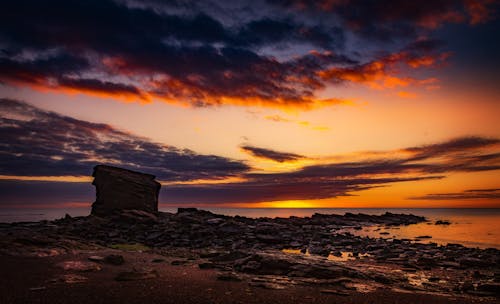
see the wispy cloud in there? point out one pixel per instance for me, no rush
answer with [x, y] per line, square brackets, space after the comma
[271, 154]
[329, 180]
[36, 142]
[464, 195]
[302, 123]
[42, 143]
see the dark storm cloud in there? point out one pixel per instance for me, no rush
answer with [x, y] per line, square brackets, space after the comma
[268, 31]
[389, 19]
[467, 194]
[271, 154]
[41, 143]
[199, 53]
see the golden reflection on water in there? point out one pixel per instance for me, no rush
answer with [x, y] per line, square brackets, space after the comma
[473, 231]
[344, 255]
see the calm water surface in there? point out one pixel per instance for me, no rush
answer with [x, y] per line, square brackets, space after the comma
[470, 227]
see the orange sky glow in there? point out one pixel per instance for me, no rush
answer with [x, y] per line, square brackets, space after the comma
[242, 119]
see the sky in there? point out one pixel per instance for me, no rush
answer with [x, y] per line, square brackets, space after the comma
[262, 103]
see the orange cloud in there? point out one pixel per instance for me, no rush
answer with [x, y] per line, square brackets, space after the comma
[479, 10]
[383, 73]
[306, 124]
[405, 94]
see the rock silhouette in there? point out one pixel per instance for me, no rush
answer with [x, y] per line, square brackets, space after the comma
[121, 189]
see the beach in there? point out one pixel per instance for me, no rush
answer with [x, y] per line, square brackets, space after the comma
[196, 256]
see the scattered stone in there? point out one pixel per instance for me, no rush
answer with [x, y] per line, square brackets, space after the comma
[236, 245]
[114, 259]
[80, 266]
[207, 265]
[335, 292]
[214, 221]
[228, 276]
[267, 285]
[96, 258]
[157, 260]
[73, 278]
[493, 288]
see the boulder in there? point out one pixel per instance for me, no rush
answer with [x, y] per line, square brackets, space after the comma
[121, 189]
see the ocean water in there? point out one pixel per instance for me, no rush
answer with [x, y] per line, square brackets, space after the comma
[469, 227]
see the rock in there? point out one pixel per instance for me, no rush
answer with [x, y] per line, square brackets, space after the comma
[157, 260]
[319, 250]
[73, 278]
[214, 221]
[136, 216]
[114, 259]
[268, 264]
[96, 258]
[267, 285]
[228, 276]
[442, 222]
[424, 237]
[449, 264]
[79, 266]
[207, 265]
[493, 288]
[467, 286]
[251, 267]
[122, 189]
[473, 262]
[335, 292]
[268, 239]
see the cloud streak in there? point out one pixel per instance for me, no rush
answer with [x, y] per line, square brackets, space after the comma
[271, 154]
[36, 142]
[464, 195]
[42, 143]
[330, 180]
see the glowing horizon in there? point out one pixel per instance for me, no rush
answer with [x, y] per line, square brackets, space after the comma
[292, 105]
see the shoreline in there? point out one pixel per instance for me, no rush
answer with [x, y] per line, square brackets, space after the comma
[252, 253]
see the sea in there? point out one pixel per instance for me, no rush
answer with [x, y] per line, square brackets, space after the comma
[469, 227]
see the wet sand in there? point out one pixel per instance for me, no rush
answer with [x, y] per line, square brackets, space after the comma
[41, 280]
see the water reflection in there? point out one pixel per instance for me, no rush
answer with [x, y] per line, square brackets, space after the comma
[473, 231]
[341, 256]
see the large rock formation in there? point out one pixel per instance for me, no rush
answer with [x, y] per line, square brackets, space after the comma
[122, 189]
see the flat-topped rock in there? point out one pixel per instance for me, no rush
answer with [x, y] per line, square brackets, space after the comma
[121, 189]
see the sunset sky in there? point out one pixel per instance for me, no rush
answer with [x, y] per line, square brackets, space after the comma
[262, 103]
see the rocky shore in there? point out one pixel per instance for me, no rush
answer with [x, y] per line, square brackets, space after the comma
[265, 253]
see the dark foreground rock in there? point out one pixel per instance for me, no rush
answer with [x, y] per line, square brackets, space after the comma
[121, 189]
[36, 280]
[270, 253]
